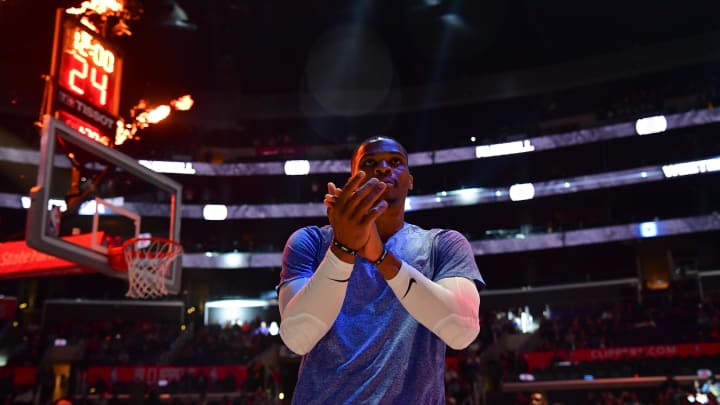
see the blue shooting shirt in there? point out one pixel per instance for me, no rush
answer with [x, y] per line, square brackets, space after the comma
[376, 352]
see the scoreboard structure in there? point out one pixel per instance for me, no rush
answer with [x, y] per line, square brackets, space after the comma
[86, 71]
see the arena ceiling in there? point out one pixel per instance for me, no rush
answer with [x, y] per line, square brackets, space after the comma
[236, 55]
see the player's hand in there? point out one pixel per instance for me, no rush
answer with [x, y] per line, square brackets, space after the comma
[355, 209]
[374, 247]
[332, 194]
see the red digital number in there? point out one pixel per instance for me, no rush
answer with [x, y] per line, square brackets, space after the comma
[77, 80]
[78, 74]
[101, 85]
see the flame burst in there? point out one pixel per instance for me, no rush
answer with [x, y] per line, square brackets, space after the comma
[148, 116]
[101, 7]
[153, 116]
[183, 103]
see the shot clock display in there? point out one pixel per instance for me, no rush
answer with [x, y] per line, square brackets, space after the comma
[87, 72]
[87, 67]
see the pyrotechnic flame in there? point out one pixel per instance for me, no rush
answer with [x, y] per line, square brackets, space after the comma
[86, 22]
[124, 132]
[120, 29]
[97, 6]
[153, 116]
[183, 103]
[145, 116]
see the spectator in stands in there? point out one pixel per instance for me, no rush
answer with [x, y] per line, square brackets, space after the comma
[538, 398]
[371, 301]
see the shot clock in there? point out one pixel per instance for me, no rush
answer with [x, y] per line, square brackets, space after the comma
[87, 67]
[87, 72]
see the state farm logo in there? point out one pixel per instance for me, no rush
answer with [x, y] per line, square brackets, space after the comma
[16, 258]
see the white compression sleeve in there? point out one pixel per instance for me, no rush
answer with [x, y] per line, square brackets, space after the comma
[449, 307]
[308, 307]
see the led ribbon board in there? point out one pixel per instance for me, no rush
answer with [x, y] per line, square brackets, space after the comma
[87, 72]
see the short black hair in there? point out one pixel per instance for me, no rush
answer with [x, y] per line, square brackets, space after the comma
[372, 139]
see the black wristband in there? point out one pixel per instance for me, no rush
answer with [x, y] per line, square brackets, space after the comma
[382, 257]
[344, 248]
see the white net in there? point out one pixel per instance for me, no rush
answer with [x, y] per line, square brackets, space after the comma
[148, 261]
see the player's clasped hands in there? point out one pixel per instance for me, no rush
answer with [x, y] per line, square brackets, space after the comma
[353, 209]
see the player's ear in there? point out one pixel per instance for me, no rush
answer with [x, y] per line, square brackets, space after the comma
[411, 183]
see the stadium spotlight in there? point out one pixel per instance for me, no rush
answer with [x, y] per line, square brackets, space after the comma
[648, 229]
[522, 192]
[215, 212]
[651, 125]
[297, 167]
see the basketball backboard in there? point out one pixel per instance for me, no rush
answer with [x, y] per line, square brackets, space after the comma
[84, 187]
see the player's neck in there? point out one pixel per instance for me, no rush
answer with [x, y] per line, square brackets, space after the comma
[390, 222]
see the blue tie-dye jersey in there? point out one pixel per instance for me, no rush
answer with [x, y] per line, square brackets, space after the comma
[375, 352]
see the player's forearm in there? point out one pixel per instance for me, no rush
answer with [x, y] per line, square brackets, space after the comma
[311, 311]
[449, 308]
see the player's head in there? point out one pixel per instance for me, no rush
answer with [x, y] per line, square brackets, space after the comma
[373, 139]
[387, 160]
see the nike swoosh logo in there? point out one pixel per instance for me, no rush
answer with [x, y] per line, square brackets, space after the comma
[410, 283]
[339, 281]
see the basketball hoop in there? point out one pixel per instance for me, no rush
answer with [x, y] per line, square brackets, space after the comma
[148, 261]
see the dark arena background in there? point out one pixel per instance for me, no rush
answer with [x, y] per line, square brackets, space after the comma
[575, 144]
